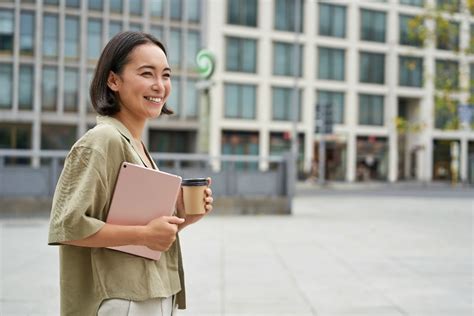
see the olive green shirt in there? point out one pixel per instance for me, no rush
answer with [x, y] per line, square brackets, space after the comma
[80, 206]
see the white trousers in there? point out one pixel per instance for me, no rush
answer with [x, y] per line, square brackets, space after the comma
[151, 307]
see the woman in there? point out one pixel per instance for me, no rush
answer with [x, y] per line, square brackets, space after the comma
[131, 85]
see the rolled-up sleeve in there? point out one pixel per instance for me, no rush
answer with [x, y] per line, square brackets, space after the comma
[80, 198]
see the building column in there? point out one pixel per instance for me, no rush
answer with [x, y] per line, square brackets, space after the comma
[391, 99]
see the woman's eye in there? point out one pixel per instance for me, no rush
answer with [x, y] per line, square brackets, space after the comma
[167, 75]
[147, 74]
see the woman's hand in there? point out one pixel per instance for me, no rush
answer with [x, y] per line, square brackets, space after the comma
[160, 233]
[191, 219]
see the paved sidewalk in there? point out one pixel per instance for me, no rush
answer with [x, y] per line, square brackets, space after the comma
[339, 254]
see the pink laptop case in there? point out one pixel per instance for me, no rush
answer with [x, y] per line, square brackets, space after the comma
[141, 195]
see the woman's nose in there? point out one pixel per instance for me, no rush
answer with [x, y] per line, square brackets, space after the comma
[158, 85]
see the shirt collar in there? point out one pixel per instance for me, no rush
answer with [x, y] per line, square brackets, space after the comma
[118, 125]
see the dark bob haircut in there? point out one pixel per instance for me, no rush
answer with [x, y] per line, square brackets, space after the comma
[113, 58]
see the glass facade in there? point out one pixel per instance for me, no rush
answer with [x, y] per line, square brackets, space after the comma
[283, 108]
[240, 101]
[449, 5]
[331, 64]
[176, 9]
[416, 3]
[332, 20]
[373, 25]
[6, 79]
[15, 136]
[192, 104]
[193, 44]
[408, 35]
[175, 47]
[57, 137]
[116, 6]
[283, 59]
[447, 74]
[447, 36]
[114, 28]
[336, 100]
[242, 12]
[50, 36]
[156, 8]
[371, 109]
[193, 8]
[96, 5]
[174, 99]
[171, 141]
[411, 71]
[240, 143]
[136, 7]
[49, 88]
[26, 88]
[71, 89]
[94, 39]
[27, 32]
[241, 55]
[285, 15]
[72, 36]
[372, 68]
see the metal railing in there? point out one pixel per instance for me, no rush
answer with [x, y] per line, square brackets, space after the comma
[232, 175]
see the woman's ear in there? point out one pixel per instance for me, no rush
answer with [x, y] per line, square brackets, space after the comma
[113, 81]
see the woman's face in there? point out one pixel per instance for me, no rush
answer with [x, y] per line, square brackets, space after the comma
[144, 84]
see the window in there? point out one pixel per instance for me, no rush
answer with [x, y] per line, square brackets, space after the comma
[50, 35]
[240, 101]
[176, 9]
[332, 20]
[136, 7]
[372, 68]
[174, 99]
[447, 36]
[15, 136]
[49, 88]
[285, 15]
[175, 47]
[331, 63]
[116, 6]
[193, 7]
[51, 2]
[97, 5]
[411, 71]
[90, 75]
[416, 3]
[171, 141]
[193, 99]
[71, 45]
[94, 38]
[73, 3]
[280, 144]
[115, 27]
[156, 8]
[446, 113]
[71, 84]
[283, 106]
[193, 45]
[371, 110]
[336, 101]
[283, 59]
[26, 88]
[471, 79]
[409, 35]
[372, 26]
[57, 137]
[27, 33]
[447, 74]
[240, 143]
[241, 55]
[242, 12]
[156, 31]
[137, 27]
[6, 31]
[6, 82]
[449, 5]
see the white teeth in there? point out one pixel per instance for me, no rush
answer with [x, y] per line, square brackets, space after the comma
[157, 100]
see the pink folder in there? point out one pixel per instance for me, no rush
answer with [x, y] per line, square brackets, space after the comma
[141, 195]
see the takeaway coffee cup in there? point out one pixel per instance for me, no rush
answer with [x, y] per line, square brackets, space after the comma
[194, 195]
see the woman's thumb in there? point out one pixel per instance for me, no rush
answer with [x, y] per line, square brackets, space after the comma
[174, 220]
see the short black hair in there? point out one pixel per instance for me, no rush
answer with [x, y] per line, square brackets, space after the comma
[113, 58]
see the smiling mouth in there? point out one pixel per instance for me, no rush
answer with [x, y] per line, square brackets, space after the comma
[154, 100]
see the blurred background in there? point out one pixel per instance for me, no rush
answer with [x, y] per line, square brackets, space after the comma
[285, 103]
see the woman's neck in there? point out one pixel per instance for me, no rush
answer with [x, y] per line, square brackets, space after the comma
[134, 125]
